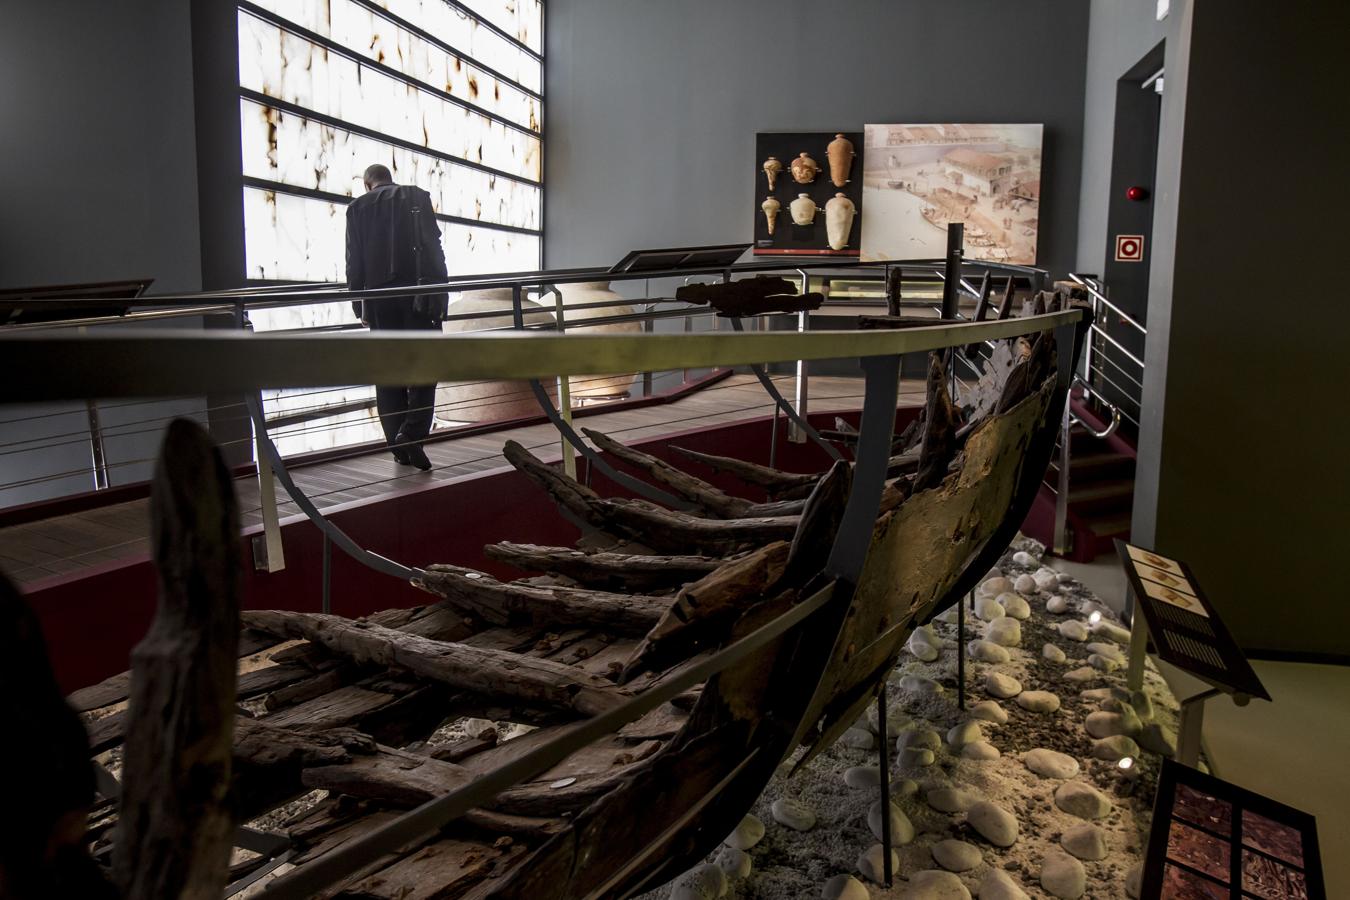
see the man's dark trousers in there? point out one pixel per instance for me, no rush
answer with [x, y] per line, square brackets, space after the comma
[406, 410]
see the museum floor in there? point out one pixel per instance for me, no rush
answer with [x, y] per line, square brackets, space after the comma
[1292, 749]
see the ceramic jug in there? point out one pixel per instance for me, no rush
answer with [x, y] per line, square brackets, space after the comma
[771, 207]
[804, 169]
[839, 213]
[771, 169]
[803, 209]
[840, 155]
[488, 401]
[589, 386]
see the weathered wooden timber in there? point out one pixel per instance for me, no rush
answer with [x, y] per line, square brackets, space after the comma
[385, 713]
[750, 296]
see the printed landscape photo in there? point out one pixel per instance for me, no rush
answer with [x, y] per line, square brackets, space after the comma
[919, 178]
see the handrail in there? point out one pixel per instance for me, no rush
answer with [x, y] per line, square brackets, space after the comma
[1108, 304]
[176, 362]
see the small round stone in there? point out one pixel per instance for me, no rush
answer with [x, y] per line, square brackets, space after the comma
[1102, 724]
[1053, 653]
[987, 651]
[998, 885]
[988, 608]
[1058, 605]
[918, 738]
[1006, 632]
[923, 646]
[989, 711]
[747, 834]
[705, 882]
[1023, 558]
[980, 750]
[1025, 584]
[956, 856]
[1103, 663]
[844, 887]
[1081, 674]
[1046, 578]
[793, 813]
[904, 787]
[965, 733]
[1038, 701]
[1015, 606]
[1157, 738]
[1111, 631]
[949, 799]
[859, 739]
[1110, 651]
[735, 863]
[902, 830]
[1115, 747]
[1134, 881]
[992, 587]
[862, 778]
[996, 684]
[935, 884]
[1063, 876]
[912, 758]
[1050, 763]
[1085, 841]
[918, 684]
[1081, 800]
[871, 863]
[993, 823]
[1073, 629]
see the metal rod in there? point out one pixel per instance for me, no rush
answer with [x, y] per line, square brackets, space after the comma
[1191, 726]
[1061, 533]
[951, 286]
[884, 768]
[1134, 673]
[564, 383]
[961, 654]
[96, 448]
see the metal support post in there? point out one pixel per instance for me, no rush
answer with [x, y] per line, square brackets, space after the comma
[100, 459]
[1061, 534]
[796, 433]
[961, 653]
[268, 555]
[1134, 674]
[884, 767]
[1189, 727]
[951, 284]
[773, 440]
[569, 456]
[327, 606]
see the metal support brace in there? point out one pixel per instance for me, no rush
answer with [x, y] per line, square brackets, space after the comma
[772, 390]
[1134, 674]
[1061, 534]
[569, 458]
[96, 448]
[884, 767]
[961, 654]
[268, 554]
[1190, 725]
[802, 388]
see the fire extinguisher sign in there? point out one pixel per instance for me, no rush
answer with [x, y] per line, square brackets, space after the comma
[1129, 248]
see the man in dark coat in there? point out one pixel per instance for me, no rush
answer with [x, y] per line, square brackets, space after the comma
[392, 240]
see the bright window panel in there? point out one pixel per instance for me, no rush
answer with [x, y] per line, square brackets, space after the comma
[290, 149]
[364, 31]
[468, 36]
[522, 19]
[292, 238]
[280, 64]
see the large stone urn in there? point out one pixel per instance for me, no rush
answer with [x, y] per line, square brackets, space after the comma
[489, 401]
[580, 294]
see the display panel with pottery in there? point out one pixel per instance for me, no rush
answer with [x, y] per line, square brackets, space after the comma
[797, 176]
[488, 401]
[917, 179]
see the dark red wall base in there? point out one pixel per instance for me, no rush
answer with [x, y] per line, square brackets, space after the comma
[93, 618]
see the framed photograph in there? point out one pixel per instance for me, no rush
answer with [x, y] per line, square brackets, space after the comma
[917, 179]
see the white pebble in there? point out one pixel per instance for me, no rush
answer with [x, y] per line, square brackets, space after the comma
[1111, 651]
[871, 863]
[993, 823]
[1001, 686]
[921, 646]
[911, 758]
[862, 778]
[1157, 738]
[1064, 578]
[1081, 674]
[904, 787]
[706, 882]
[1111, 631]
[1085, 841]
[1114, 748]
[1074, 630]
[1053, 653]
[987, 651]
[793, 813]
[1134, 881]
[844, 887]
[998, 885]
[1063, 876]
[1057, 604]
[1038, 701]
[935, 884]
[1102, 724]
[902, 830]
[1023, 558]
[1102, 694]
[1025, 584]
[1006, 632]
[918, 684]
[918, 738]
[1081, 800]
[956, 856]
[1103, 663]
[859, 739]
[965, 733]
[735, 863]
[1046, 578]
[987, 608]
[989, 711]
[1050, 763]
[992, 587]
[949, 799]
[980, 750]
[747, 834]
[1015, 606]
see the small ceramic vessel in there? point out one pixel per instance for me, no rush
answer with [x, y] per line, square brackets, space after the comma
[803, 209]
[840, 155]
[771, 169]
[839, 213]
[771, 206]
[804, 169]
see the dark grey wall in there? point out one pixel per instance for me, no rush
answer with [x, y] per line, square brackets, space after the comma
[1242, 468]
[652, 108]
[98, 158]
